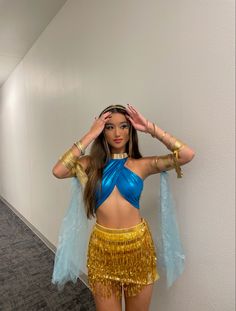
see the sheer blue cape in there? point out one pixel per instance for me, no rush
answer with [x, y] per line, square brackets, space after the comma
[170, 253]
[71, 253]
[70, 257]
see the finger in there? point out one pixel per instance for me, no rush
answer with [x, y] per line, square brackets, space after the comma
[106, 113]
[129, 113]
[128, 109]
[107, 120]
[132, 108]
[104, 116]
[130, 119]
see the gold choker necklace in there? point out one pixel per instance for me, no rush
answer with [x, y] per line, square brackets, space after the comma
[119, 155]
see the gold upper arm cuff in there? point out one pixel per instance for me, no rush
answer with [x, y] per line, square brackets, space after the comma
[176, 164]
[170, 161]
[80, 173]
[68, 159]
[71, 162]
[166, 159]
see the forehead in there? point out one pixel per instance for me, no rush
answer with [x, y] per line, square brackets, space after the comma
[117, 117]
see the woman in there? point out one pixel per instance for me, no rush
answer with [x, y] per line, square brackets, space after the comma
[121, 254]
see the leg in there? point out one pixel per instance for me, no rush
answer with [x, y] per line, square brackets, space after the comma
[107, 304]
[141, 301]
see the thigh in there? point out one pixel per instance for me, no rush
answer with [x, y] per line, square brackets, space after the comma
[113, 302]
[141, 301]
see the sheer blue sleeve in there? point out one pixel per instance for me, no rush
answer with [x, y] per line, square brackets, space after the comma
[70, 255]
[170, 252]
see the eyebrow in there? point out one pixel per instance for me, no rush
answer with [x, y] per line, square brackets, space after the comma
[123, 122]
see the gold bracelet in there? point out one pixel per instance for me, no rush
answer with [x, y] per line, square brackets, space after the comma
[170, 143]
[154, 130]
[68, 159]
[172, 146]
[81, 148]
[176, 145]
[162, 136]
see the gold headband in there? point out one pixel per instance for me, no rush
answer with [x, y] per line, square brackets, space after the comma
[114, 107]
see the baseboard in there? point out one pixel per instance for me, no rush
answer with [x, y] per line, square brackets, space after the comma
[83, 277]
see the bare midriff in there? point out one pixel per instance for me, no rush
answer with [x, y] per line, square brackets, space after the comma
[116, 212]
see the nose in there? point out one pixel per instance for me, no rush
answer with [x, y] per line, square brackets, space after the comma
[117, 131]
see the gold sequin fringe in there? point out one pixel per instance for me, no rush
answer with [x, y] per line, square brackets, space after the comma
[121, 258]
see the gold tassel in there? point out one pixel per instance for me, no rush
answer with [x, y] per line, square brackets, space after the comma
[176, 164]
[119, 257]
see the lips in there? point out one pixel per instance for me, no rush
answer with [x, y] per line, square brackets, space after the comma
[117, 140]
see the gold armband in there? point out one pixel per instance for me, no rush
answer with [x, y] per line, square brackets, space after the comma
[176, 164]
[81, 148]
[163, 135]
[167, 160]
[80, 173]
[154, 130]
[176, 145]
[68, 159]
[175, 149]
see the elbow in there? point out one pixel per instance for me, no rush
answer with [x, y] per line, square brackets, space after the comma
[55, 173]
[190, 155]
[187, 156]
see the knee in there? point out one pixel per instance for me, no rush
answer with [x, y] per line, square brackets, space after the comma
[141, 301]
[107, 304]
[107, 297]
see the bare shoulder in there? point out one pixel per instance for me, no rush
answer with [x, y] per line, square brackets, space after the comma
[142, 166]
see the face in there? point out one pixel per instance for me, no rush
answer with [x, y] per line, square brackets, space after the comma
[116, 132]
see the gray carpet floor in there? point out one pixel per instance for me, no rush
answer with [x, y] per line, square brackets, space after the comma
[26, 266]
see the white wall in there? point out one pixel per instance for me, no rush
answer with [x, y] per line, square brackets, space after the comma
[174, 60]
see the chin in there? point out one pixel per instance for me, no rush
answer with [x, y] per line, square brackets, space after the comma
[117, 146]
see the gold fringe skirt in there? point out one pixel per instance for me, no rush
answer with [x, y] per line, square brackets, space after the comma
[121, 258]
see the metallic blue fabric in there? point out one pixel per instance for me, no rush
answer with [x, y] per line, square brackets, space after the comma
[129, 184]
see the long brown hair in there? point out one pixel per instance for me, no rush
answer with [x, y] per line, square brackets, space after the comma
[100, 154]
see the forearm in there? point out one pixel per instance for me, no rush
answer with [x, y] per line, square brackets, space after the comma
[181, 152]
[171, 142]
[66, 165]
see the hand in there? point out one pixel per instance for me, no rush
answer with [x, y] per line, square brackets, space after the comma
[99, 123]
[136, 119]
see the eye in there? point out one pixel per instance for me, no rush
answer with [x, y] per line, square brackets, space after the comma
[125, 126]
[108, 127]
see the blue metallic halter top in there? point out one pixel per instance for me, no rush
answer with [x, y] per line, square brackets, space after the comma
[129, 184]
